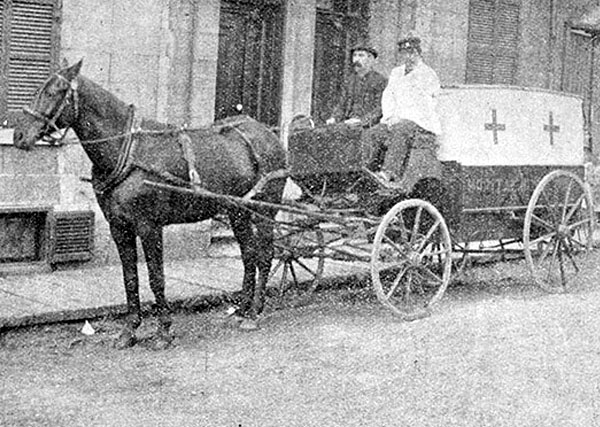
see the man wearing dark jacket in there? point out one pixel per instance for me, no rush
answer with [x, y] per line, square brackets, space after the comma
[360, 101]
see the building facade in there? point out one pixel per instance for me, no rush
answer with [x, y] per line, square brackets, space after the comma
[194, 61]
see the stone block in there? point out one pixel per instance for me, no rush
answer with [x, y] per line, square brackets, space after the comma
[87, 26]
[137, 26]
[41, 160]
[29, 190]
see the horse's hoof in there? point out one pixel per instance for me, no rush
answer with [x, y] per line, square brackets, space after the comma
[126, 339]
[249, 325]
[162, 342]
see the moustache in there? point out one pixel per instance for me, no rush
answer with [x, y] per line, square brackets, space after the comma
[357, 64]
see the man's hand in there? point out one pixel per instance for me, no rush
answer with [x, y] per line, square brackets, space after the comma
[330, 121]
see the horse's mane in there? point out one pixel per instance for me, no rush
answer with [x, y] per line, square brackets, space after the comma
[108, 102]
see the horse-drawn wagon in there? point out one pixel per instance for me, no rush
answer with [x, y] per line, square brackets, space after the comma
[507, 174]
[507, 178]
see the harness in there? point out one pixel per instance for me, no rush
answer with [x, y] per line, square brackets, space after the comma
[50, 122]
[125, 162]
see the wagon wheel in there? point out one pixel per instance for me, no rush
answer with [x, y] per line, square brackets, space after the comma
[299, 250]
[411, 258]
[558, 229]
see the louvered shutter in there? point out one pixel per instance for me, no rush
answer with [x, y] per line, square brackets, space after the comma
[480, 49]
[493, 41]
[31, 33]
[506, 42]
[3, 79]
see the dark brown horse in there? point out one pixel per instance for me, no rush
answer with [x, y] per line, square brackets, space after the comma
[226, 159]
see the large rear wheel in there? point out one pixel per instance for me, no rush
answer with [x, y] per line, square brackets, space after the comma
[558, 228]
[411, 259]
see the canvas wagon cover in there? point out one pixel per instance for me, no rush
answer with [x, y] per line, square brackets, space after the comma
[510, 126]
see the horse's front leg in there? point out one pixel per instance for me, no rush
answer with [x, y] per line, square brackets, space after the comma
[152, 243]
[124, 238]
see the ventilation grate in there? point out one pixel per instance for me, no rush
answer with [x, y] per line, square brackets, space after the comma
[73, 236]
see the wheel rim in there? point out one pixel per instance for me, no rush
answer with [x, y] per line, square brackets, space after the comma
[411, 259]
[558, 230]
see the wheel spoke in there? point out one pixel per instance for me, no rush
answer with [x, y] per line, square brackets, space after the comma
[579, 223]
[398, 248]
[566, 201]
[578, 204]
[428, 235]
[314, 273]
[555, 251]
[546, 250]
[380, 266]
[430, 274]
[396, 282]
[415, 230]
[542, 222]
[550, 207]
[543, 238]
[570, 254]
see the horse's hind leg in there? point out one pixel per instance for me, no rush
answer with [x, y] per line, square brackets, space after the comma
[263, 242]
[242, 230]
[152, 243]
[124, 238]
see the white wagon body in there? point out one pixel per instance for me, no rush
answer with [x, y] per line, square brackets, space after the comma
[510, 126]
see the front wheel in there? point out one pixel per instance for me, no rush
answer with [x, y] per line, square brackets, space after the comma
[411, 259]
[558, 230]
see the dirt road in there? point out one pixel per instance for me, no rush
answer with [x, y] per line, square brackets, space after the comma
[497, 352]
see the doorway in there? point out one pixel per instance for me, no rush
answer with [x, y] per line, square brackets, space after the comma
[249, 62]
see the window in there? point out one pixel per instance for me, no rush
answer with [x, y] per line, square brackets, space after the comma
[493, 42]
[29, 31]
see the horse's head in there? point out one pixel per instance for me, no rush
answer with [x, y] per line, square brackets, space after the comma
[54, 107]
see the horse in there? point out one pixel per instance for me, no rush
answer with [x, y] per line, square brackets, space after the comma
[226, 158]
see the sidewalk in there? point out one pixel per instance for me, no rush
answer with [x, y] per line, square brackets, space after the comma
[83, 293]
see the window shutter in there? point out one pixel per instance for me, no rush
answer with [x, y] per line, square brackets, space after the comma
[493, 41]
[30, 51]
[30, 30]
[1, 24]
[2, 64]
[506, 42]
[480, 59]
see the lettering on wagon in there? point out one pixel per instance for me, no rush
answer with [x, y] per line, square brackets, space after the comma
[498, 191]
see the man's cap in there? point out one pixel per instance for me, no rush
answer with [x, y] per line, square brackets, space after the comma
[412, 44]
[365, 47]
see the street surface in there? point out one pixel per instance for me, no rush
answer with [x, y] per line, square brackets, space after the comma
[496, 352]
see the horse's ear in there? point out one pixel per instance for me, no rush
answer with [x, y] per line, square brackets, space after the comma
[73, 71]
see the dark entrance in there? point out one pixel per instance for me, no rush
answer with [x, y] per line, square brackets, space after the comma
[250, 56]
[340, 23]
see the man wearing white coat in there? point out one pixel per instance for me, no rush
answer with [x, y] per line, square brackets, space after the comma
[409, 109]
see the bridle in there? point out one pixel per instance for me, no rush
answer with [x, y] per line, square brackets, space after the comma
[50, 122]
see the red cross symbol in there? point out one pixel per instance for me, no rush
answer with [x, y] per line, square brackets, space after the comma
[495, 126]
[551, 127]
